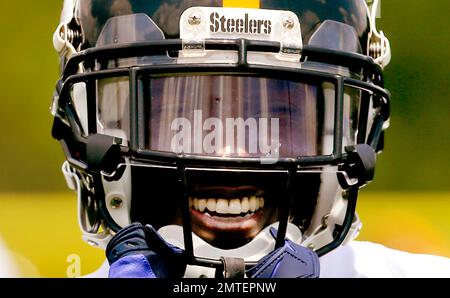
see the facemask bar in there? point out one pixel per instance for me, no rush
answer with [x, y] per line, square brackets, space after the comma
[116, 147]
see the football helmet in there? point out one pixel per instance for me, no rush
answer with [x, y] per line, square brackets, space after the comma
[214, 121]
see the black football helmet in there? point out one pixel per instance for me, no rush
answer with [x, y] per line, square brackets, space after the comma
[221, 121]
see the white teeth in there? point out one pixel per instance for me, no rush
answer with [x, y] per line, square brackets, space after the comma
[257, 204]
[196, 204]
[202, 205]
[253, 204]
[211, 205]
[224, 206]
[245, 205]
[235, 207]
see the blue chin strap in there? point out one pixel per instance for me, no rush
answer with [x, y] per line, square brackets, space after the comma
[139, 252]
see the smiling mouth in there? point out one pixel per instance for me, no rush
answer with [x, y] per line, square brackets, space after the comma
[228, 217]
[220, 220]
[228, 208]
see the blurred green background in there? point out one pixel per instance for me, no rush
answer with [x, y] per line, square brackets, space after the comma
[406, 207]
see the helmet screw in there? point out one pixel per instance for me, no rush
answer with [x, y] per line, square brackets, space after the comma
[288, 22]
[311, 246]
[194, 19]
[116, 203]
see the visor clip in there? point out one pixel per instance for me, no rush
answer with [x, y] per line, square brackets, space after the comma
[103, 154]
[360, 165]
[232, 268]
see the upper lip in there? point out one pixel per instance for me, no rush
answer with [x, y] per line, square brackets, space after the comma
[226, 192]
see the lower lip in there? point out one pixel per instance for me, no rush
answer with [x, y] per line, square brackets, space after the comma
[226, 224]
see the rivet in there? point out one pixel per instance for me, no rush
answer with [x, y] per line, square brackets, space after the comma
[194, 19]
[116, 203]
[288, 22]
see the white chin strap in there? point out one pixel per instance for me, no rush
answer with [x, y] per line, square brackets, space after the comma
[262, 245]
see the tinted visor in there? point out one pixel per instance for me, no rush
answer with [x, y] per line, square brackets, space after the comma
[231, 116]
[227, 115]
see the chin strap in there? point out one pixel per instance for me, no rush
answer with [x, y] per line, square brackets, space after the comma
[140, 252]
[289, 261]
